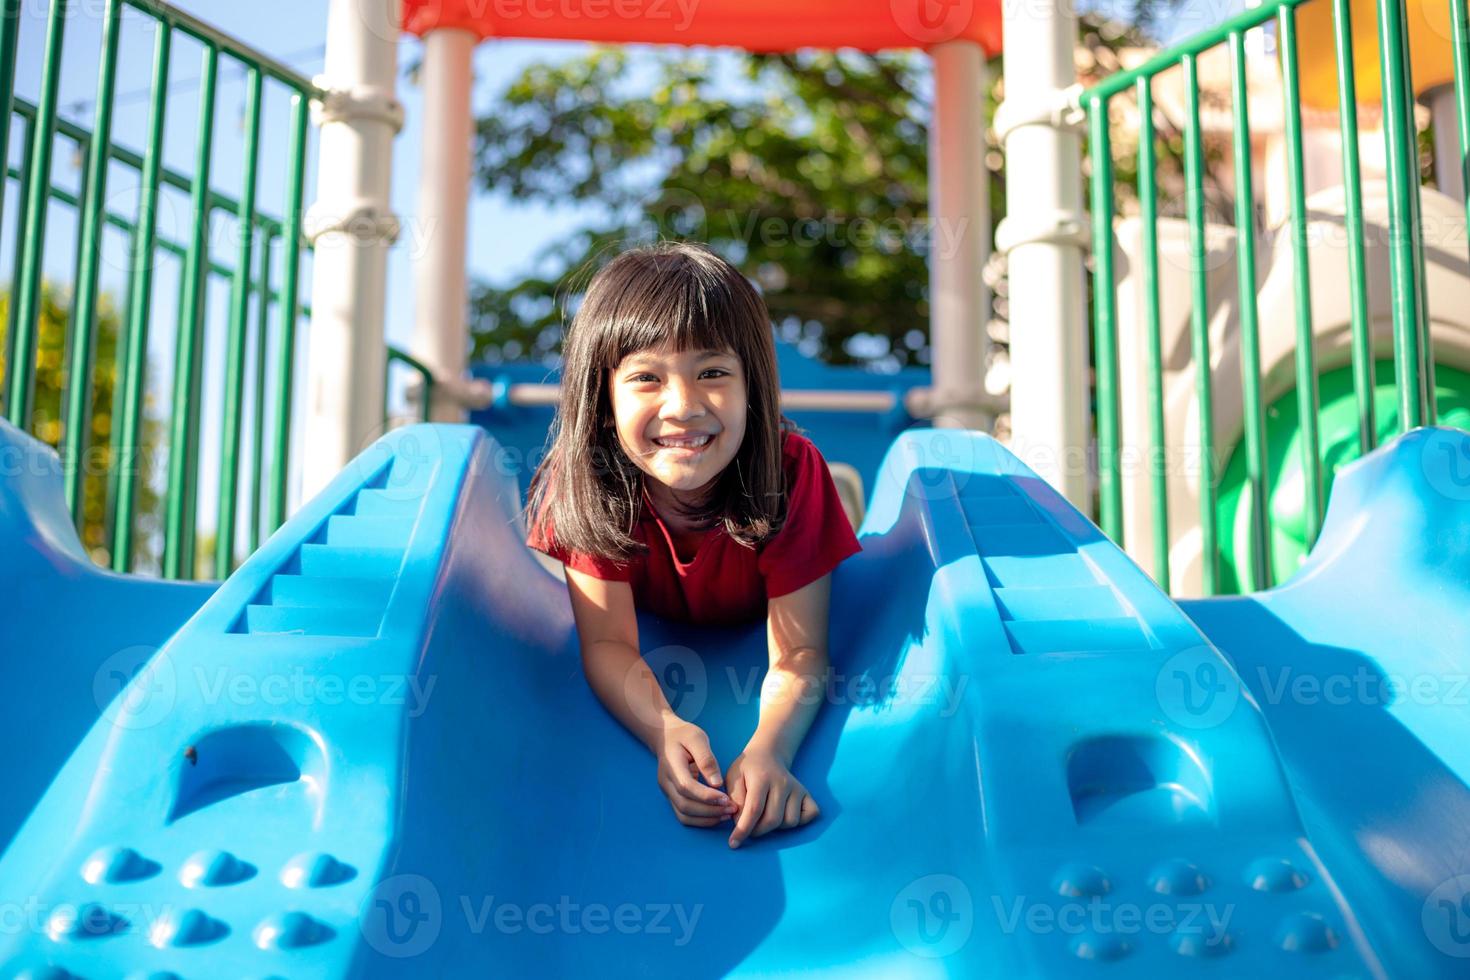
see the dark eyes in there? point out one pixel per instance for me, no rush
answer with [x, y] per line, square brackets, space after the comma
[718, 372]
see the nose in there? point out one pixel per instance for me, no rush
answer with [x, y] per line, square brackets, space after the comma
[681, 401]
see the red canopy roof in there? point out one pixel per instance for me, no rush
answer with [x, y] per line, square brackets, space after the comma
[755, 25]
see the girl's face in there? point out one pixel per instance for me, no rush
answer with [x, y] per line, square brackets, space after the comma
[680, 416]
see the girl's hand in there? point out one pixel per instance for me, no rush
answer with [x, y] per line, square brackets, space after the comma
[767, 794]
[684, 755]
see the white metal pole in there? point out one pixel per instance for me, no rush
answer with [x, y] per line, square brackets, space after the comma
[1044, 234]
[352, 226]
[441, 331]
[959, 242]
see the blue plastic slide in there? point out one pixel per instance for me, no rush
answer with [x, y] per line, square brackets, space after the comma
[371, 752]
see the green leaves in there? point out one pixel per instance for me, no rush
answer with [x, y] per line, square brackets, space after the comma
[809, 171]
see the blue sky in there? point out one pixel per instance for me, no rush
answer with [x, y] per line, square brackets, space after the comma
[504, 235]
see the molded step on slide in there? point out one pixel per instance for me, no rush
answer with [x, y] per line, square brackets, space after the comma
[1041, 571]
[389, 502]
[1049, 603]
[320, 590]
[338, 562]
[356, 531]
[974, 486]
[313, 620]
[985, 511]
[1076, 635]
[1038, 538]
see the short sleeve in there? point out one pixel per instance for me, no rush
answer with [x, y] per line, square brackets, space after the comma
[817, 535]
[543, 539]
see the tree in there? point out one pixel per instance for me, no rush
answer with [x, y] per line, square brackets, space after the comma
[812, 181]
[46, 423]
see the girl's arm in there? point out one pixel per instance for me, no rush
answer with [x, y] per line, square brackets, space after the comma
[760, 779]
[617, 673]
[792, 693]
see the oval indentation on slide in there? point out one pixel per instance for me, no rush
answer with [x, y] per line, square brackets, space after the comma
[1139, 780]
[229, 762]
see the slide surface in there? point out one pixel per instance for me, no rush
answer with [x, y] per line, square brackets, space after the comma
[371, 752]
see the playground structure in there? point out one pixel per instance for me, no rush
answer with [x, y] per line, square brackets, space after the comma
[1332, 229]
[1072, 736]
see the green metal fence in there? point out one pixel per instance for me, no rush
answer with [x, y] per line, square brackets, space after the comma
[248, 271]
[1413, 360]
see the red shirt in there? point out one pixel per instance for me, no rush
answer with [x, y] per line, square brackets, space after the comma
[725, 581]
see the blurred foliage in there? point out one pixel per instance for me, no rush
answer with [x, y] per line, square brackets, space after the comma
[51, 366]
[809, 171]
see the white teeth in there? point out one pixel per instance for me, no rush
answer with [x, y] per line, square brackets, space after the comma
[683, 443]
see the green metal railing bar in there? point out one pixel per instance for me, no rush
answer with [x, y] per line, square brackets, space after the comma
[235, 346]
[1110, 489]
[27, 294]
[1406, 250]
[1154, 366]
[1250, 329]
[23, 191]
[1460, 40]
[426, 376]
[257, 440]
[1306, 373]
[1352, 182]
[178, 552]
[9, 42]
[285, 361]
[128, 468]
[1199, 327]
[84, 316]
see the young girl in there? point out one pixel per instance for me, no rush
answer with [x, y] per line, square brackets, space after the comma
[674, 484]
